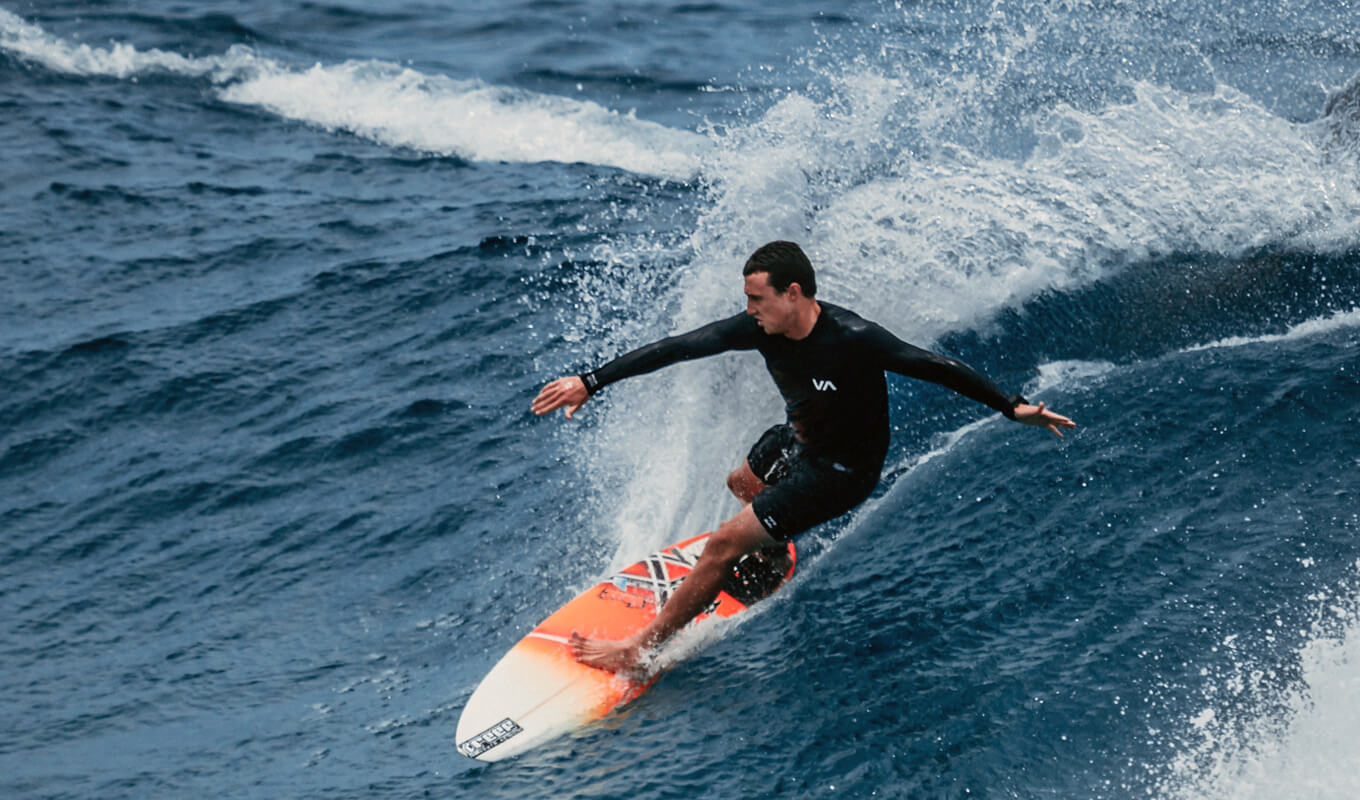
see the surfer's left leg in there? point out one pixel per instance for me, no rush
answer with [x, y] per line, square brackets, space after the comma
[734, 538]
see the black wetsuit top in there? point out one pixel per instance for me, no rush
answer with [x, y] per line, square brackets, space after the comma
[832, 381]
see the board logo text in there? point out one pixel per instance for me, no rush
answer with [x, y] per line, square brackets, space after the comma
[489, 738]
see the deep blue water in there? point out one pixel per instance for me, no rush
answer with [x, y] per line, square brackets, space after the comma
[278, 282]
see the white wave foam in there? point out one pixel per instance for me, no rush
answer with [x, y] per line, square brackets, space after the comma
[936, 241]
[1306, 750]
[394, 106]
[1312, 327]
[1057, 373]
[402, 107]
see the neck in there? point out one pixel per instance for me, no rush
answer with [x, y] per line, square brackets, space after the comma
[806, 321]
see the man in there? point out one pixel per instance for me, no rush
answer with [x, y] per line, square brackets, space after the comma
[829, 365]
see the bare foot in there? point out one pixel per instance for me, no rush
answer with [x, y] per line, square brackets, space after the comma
[621, 657]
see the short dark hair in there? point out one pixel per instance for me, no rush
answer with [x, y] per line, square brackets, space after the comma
[786, 263]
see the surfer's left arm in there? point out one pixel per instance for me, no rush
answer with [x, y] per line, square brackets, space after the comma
[1041, 417]
[914, 362]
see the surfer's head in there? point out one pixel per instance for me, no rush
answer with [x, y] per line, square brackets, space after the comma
[779, 288]
[786, 264]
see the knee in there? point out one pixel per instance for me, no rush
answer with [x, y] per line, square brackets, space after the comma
[736, 482]
[743, 483]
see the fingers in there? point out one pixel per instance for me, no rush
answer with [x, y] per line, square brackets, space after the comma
[570, 392]
[1040, 416]
[550, 398]
[1056, 421]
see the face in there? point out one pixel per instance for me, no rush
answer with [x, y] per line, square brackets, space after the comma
[774, 312]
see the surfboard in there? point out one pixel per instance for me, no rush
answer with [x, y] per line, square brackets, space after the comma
[538, 691]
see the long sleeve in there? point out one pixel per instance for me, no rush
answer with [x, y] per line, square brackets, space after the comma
[738, 332]
[914, 362]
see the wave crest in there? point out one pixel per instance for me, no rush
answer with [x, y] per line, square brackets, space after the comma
[393, 105]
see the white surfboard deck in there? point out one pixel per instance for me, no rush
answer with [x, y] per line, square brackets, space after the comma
[538, 691]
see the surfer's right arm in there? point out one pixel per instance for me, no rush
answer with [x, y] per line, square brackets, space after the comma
[570, 392]
[738, 332]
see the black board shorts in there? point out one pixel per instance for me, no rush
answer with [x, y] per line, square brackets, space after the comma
[801, 492]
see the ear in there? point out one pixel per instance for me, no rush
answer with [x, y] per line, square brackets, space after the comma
[794, 291]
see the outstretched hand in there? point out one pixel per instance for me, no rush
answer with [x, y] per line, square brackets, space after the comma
[1043, 418]
[570, 392]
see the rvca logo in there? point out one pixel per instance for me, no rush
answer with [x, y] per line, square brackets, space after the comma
[823, 385]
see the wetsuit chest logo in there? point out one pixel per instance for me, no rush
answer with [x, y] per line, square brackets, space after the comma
[823, 385]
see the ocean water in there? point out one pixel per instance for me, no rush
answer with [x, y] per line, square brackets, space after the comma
[278, 282]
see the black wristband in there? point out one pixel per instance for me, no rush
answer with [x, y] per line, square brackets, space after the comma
[1015, 400]
[592, 383]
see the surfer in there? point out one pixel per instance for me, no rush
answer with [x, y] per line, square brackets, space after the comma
[829, 364]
